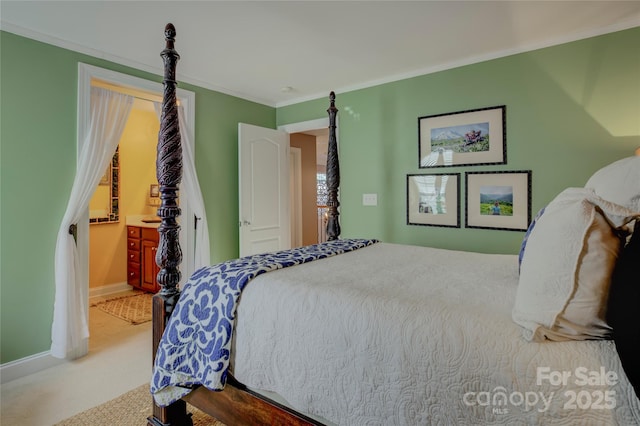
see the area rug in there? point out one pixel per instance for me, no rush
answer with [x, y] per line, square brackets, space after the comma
[135, 309]
[129, 409]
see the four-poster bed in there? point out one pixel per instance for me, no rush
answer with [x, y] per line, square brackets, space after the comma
[365, 332]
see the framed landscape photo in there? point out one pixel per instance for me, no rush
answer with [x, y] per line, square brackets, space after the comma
[473, 137]
[498, 200]
[433, 199]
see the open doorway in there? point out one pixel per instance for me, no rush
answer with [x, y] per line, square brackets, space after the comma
[310, 217]
[149, 91]
[119, 258]
[113, 265]
[315, 132]
[268, 187]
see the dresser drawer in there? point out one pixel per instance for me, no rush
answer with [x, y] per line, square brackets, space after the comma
[133, 244]
[133, 274]
[133, 256]
[133, 232]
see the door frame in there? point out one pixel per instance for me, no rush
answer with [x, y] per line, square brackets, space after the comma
[142, 88]
[305, 126]
[301, 127]
[295, 191]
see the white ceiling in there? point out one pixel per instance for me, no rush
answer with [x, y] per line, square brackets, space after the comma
[254, 49]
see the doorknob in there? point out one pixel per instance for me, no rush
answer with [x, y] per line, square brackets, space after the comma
[246, 223]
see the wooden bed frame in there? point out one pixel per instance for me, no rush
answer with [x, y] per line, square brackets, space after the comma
[235, 405]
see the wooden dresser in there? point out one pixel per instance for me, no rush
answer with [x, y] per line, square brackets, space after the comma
[142, 271]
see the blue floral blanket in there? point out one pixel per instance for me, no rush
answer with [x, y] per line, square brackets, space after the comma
[195, 347]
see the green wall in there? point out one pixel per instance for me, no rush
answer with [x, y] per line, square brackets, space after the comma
[38, 157]
[570, 109]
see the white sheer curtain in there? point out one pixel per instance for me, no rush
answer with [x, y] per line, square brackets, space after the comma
[190, 190]
[109, 113]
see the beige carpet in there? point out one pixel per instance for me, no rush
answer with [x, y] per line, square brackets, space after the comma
[135, 309]
[129, 409]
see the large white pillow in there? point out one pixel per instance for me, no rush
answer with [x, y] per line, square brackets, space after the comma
[619, 182]
[567, 265]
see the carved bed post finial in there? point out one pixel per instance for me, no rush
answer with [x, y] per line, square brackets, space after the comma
[333, 174]
[169, 173]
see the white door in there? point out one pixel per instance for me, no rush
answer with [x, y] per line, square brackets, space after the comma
[263, 170]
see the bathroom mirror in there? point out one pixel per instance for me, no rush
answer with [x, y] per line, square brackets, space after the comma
[103, 207]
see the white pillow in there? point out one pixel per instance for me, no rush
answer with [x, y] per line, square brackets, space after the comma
[566, 268]
[619, 182]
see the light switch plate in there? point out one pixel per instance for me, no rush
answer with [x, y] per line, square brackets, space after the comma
[369, 199]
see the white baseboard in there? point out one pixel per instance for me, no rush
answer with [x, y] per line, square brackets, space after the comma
[33, 363]
[28, 365]
[106, 290]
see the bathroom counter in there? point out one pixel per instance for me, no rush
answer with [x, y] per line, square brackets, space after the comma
[139, 221]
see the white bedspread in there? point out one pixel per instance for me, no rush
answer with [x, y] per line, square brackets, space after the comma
[405, 335]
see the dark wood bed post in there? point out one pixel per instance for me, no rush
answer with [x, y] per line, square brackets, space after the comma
[169, 254]
[333, 174]
[236, 404]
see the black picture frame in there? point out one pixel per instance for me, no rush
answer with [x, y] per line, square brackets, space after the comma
[511, 190]
[434, 199]
[463, 138]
